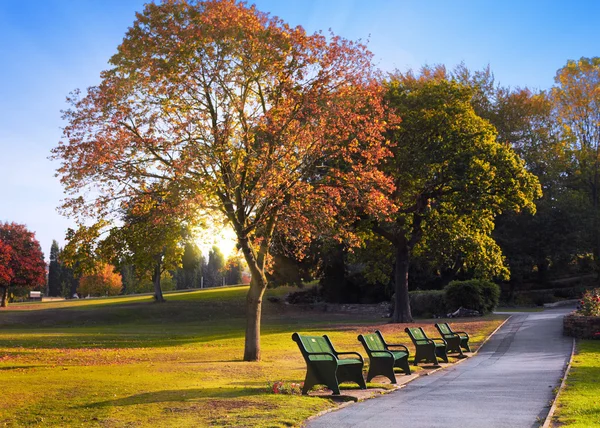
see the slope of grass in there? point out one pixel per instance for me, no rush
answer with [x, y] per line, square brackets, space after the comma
[127, 361]
[579, 403]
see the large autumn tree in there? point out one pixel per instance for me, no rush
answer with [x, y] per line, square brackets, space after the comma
[21, 260]
[259, 119]
[452, 179]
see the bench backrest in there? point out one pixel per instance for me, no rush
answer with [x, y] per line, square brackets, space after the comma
[417, 335]
[311, 344]
[373, 342]
[445, 329]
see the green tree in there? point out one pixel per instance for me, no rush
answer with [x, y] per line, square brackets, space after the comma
[54, 288]
[449, 172]
[150, 237]
[190, 273]
[526, 120]
[214, 268]
[577, 106]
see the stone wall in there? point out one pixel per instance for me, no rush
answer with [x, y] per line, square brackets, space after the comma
[581, 327]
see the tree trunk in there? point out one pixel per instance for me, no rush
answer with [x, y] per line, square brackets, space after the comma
[253, 318]
[402, 311]
[4, 303]
[542, 266]
[258, 285]
[158, 295]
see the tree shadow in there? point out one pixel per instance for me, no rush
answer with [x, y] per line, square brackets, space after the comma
[179, 395]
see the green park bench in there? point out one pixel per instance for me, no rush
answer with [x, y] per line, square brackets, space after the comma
[457, 340]
[323, 365]
[382, 359]
[425, 348]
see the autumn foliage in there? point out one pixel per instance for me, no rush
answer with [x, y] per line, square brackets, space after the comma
[21, 259]
[234, 109]
[103, 282]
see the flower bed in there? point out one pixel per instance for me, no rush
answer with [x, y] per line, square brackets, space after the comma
[585, 323]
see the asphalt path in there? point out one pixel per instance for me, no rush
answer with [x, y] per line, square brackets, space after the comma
[508, 383]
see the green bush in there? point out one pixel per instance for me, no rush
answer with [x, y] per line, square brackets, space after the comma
[477, 294]
[427, 303]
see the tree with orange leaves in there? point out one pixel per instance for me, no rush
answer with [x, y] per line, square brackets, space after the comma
[104, 281]
[272, 127]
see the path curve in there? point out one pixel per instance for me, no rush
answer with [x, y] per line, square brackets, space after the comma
[509, 383]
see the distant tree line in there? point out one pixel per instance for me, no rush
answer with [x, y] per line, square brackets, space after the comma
[194, 271]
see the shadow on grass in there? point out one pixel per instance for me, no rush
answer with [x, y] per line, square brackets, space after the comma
[179, 396]
[8, 368]
[157, 334]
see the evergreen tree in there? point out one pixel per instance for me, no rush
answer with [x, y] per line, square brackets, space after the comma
[54, 288]
[190, 273]
[214, 268]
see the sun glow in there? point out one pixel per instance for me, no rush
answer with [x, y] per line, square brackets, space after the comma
[221, 236]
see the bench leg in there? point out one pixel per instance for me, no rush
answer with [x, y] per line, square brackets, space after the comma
[441, 352]
[383, 367]
[454, 345]
[316, 377]
[351, 373]
[426, 353]
[403, 364]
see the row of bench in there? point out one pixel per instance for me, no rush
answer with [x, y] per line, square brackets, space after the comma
[325, 367]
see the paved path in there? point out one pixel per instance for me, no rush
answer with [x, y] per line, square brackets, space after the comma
[508, 383]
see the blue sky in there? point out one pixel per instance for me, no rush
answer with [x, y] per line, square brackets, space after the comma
[50, 47]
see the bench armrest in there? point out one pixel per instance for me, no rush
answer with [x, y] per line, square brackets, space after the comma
[438, 339]
[453, 334]
[333, 357]
[397, 346]
[351, 353]
[462, 332]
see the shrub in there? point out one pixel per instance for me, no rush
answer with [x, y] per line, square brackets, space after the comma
[307, 296]
[590, 303]
[491, 295]
[477, 294]
[427, 303]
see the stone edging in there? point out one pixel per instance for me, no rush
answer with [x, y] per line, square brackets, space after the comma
[581, 326]
[548, 421]
[388, 391]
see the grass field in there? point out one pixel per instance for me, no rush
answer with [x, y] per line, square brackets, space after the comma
[128, 362]
[579, 403]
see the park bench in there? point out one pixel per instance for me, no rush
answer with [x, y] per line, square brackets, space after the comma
[425, 348]
[323, 365]
[382, 359]
[457, 340]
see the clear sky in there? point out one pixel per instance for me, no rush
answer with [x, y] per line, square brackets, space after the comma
[50, 47]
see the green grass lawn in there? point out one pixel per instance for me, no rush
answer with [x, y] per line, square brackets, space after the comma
[127, 361]
[579, 403]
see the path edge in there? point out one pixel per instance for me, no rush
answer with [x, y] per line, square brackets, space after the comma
[349, 403]
[491, 334]
[548, 421]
